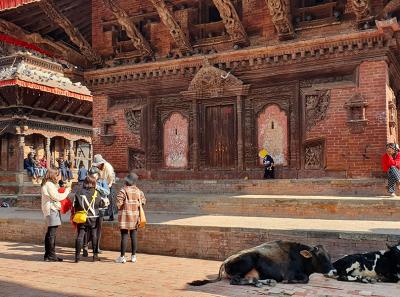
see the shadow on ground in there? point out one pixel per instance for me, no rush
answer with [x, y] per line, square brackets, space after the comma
[11, 289]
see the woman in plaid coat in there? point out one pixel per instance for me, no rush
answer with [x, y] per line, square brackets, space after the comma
[128, 202]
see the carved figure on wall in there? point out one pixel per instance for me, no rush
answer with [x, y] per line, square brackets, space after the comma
[280, 12]
[273, 133]
[314, 156]
[231, 20]
[139, 42]
[361, 8]
[176, 141]
[316, 106]
[133, 119]
[137, 159]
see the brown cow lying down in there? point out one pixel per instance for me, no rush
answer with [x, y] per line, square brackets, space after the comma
[276, 261]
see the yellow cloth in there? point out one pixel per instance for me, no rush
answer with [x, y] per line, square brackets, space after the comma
[263, 153]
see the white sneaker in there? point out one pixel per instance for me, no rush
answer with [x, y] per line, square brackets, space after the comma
[120, 260]
[393, 195]
[133, 259]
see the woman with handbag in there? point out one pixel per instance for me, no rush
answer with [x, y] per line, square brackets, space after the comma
[51, 210]
[130, 200]
[87, 202]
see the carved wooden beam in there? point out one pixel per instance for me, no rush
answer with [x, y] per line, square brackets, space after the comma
[57, 48]
[139, 42]
[231, 20]
[175, 29]
[392, 6]
[50, 9]
[281, 17]
[361, 8]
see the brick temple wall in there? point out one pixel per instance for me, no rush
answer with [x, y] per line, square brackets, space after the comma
[349, 150]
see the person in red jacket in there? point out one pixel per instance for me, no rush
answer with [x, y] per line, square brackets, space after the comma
[389, 166]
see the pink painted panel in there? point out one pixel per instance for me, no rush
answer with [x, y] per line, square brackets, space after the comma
[273, 133]
[176, 141]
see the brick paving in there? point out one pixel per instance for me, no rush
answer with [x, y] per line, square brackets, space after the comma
[24, 274]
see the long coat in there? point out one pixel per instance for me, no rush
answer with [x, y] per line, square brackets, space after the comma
[128, 201]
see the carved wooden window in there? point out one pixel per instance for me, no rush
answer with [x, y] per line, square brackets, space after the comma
[314, 12]
[136, 159]
[356, 113]
[314, 156]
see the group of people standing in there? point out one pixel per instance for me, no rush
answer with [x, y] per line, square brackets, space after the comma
[89, 200]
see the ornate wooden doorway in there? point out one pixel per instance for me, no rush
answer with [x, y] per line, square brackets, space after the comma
[220, 140]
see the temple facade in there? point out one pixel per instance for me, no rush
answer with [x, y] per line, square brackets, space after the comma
[194, 89]
[187, 89]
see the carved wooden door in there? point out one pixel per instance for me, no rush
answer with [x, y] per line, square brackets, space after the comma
[220, 136]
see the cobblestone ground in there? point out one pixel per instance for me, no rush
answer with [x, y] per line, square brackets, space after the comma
[24, 274]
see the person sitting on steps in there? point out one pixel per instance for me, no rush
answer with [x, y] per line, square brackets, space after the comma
[269, 171]
[389, 166]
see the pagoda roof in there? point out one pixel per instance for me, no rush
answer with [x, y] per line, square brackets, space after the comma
[28, 71]
[10, 4]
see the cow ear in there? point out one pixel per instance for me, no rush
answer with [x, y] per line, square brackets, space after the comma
[306, 254]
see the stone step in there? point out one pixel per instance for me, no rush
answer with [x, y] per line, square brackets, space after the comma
[290, 206]
[313, 187]
[212, 236]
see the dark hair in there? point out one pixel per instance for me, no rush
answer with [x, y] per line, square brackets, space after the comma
[131, 179]
[89, 182]
[61, 183]
[51, 175]
[81, 164]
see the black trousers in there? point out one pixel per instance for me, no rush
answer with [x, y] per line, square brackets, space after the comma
[50, 242]
[82, 230]
[88, 235]
[124, 241]
[269, 173]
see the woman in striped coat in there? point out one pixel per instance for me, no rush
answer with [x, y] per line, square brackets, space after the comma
[129, 199]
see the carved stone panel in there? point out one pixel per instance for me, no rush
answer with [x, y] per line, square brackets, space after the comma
[136, 159]
[314, 155]
[316, 106]
[272, 126]
[133, 120]
[176, 141]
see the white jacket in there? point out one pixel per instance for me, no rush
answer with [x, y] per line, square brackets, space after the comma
[51, 198]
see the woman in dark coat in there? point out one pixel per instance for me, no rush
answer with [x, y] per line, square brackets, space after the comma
[87, 199]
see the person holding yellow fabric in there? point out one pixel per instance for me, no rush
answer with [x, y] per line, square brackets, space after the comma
[269, 171]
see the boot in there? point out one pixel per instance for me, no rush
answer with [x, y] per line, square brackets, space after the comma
[46, 246]
[96, 258]
[78, 247]
[51, 255]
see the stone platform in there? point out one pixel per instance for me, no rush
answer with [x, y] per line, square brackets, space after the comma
[214, 236]
[23, 273]
[304, 187]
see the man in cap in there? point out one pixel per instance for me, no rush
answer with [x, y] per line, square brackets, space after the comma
[389, 166]
[106, 173]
